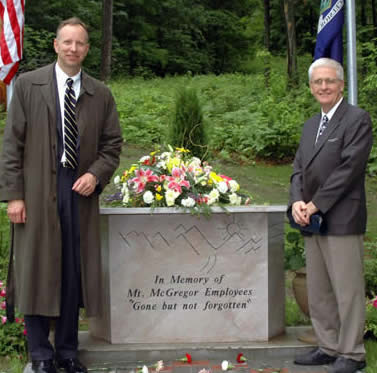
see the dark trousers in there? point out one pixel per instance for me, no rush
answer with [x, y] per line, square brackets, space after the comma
[66, 325]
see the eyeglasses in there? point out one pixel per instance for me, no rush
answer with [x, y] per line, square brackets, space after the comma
[328, 81]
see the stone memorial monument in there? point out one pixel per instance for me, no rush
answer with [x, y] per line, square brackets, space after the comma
[171, 277]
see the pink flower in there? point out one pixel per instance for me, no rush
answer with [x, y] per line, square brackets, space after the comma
[25, 331]
[375, 302]
[227, 178]
[3, 293]
[3, 305]
[177, 180]
[3, 320]
[1, 284]
[142, 178]
[17, 320]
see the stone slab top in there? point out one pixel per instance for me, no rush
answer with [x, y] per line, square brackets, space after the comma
[172, 210]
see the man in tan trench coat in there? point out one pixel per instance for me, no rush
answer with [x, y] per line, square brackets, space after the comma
[53, 205]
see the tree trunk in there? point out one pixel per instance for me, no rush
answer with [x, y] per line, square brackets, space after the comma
[291, 42]
[107, 34]
[374, 17]
[267, 24]
[267, 33]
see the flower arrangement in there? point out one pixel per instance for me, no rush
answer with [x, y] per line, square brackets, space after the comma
[174, 178]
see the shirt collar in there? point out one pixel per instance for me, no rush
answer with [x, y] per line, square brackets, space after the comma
[332, 111]
[62, 77]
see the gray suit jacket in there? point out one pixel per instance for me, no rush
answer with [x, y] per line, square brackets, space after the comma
[331, 173]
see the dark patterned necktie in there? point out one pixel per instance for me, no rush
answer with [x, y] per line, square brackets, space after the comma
[323, 126]
[70, 126]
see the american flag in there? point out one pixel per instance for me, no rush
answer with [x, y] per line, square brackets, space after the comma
[330, 28]
[11, 37]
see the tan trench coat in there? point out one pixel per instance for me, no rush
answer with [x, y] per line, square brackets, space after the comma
[28, 172]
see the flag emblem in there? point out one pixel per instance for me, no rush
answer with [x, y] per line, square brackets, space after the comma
[330, 30]
[325, 4]
[11, 37]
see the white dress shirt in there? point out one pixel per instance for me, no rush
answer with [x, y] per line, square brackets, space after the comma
[61, 79]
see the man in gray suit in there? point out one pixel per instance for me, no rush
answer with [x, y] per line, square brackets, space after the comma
[328, 178]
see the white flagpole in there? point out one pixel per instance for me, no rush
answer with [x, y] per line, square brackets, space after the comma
[351, 52]
[10, 87]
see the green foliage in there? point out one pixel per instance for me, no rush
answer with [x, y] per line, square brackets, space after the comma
[243, 119]
[370, 268]
[370, 329]
[187, 128]
[38, 50]
[293, 314]
[368, 91]
[4, 240]
[294, 252]
[371, 355]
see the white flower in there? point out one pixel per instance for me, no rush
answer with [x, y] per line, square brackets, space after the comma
[125, 193]
[224, 365]
[222, 187]
[145, 158]
[162, 165]
[117, 180]
[188, 202]
[170, 196]
[234, 199]
[148, 197]
[145, 369]
[234, 186]
[195, 163]
[159, 365]
[165, 155]
[214, 194]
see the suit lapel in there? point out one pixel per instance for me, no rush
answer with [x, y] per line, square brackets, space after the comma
[87, 89]
[48, 90]
[334, 123]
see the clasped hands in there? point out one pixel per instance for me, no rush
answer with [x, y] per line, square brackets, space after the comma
[84, 185]
[302, 212]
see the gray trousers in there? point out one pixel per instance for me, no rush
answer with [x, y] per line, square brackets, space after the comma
[336, 293]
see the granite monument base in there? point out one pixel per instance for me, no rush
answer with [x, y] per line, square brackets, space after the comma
[171, 277]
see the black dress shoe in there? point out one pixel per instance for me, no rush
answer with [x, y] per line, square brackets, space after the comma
[314, 357]
[71, 366]
[43, 366]
[343, 365]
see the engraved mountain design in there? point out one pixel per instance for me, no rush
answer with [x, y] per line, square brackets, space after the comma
[233, 238]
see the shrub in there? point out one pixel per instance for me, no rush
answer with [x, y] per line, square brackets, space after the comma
[187, 128]
[370, 329]
[4, 240]
[294, 254]
[12, 335]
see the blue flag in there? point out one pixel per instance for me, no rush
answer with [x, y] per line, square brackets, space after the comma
[329, 35]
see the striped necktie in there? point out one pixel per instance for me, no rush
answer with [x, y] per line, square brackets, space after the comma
[70, 126]
[324, 122]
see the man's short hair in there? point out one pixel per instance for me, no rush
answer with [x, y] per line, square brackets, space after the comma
[74, 21]
[327, 62]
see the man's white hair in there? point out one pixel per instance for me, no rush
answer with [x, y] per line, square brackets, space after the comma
[327, 62]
